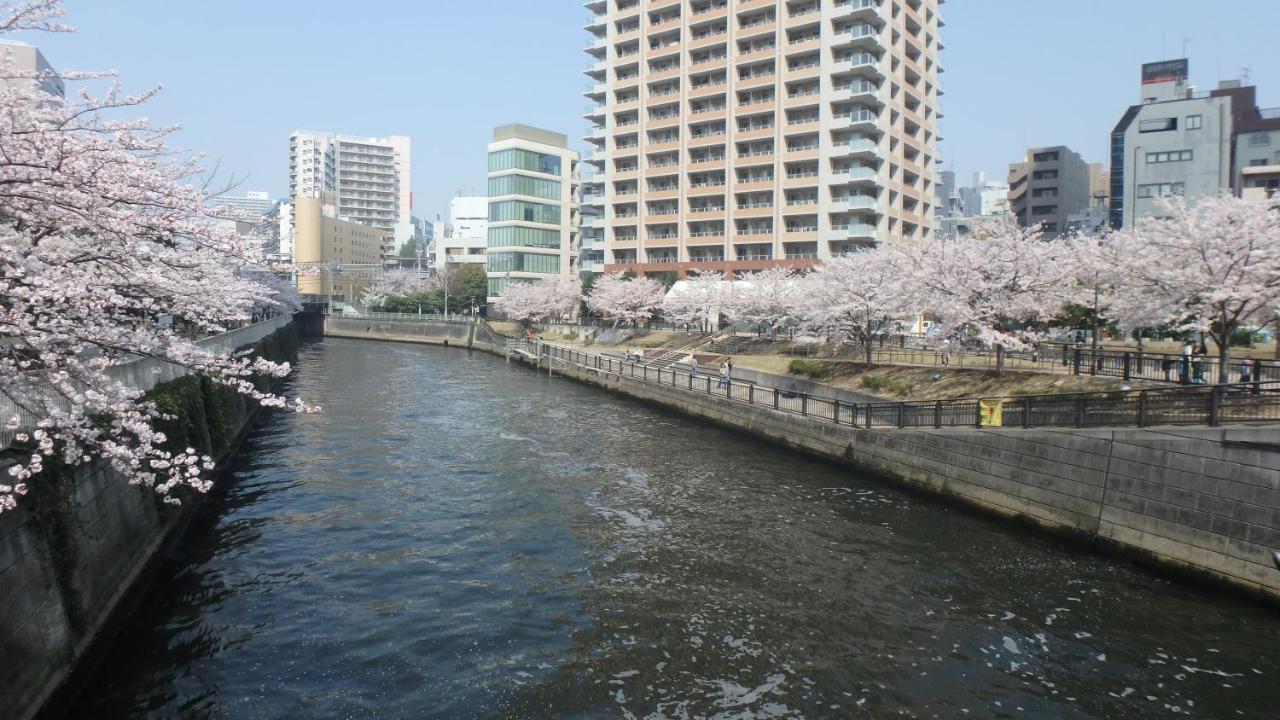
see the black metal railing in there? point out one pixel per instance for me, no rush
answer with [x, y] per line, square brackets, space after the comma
[1254, 402]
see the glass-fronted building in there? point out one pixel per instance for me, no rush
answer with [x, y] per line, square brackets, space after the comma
[533, 213]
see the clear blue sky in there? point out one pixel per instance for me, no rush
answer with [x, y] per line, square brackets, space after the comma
[240, 75]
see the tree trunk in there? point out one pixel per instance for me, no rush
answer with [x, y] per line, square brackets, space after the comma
[1224, 357]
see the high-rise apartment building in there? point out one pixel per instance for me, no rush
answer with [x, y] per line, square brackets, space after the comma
[533, 214]
[1182, 142]
[369, 177]
[736, 135]
[1046, 188]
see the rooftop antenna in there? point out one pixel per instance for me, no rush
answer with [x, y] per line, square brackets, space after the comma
[1185, 42]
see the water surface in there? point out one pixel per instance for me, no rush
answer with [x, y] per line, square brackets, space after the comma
[456, 537]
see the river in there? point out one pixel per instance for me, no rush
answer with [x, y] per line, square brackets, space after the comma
[456, 537]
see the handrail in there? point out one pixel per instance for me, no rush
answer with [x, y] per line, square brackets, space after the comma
[1213, 405]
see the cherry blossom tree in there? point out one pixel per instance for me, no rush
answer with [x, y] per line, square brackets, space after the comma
[1212, 266]
[625, 301]
[102, 235]
[396, 283]
[853, 296]
[529, 302]
[769, 298]
[698, 301]
[995, 283]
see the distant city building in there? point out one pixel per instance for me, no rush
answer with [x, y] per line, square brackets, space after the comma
[1180, 142]
[1257, 149]
[325, 244]
[28, 59]
[369, 177]
[533, 214]
[947, 199]
[253, 203]
[465, 236]
[983, 198]
[1047, 187]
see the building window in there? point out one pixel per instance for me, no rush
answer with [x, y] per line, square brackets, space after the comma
[1258, 163]
[518, 236]
[1259, 139]
[1044, 209]
[522, 262]
[1154, 190]
[1158, 125]
[1044, 192]
[527, 211]
[524, 185]
[1193, 122]
[518, 159]
[1171, 156]
[1045, 157]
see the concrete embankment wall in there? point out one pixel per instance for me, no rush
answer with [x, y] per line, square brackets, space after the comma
[84, 541]
[1200, 499]
[431, 332]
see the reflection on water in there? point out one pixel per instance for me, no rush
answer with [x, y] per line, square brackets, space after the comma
[456, 537]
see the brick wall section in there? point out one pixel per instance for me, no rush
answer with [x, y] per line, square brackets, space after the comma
[1203, 499]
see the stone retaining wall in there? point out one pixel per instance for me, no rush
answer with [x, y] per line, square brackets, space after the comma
[83, 541]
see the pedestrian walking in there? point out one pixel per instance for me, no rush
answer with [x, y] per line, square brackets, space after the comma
[693, 366]
[1166, 366]
[725, 368]
[1197, 365]
[1246, 369]
[1184, 363]
[946, 351]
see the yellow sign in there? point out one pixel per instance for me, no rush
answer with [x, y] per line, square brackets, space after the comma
[992, 412]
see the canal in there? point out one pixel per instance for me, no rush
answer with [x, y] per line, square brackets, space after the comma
[455, 537]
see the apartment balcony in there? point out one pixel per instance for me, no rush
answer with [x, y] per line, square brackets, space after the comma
[755, 54]
[596, 24]
[808, 71]
[804, 206]
[596, 6]
[709, 190]
[859, 231]
[755, 133]
[861, 62]
[709, 90]
[663, 122]
[598, 47]
[663, 50]
[664, 25]
[858, 9]
[711, 138]
[713, 161]
[662, 194]
[862, 35]
[596, 135]
[857, 90]
[794, 181]
[858, 147]
[662, 146]
[708, 40]
[803, 44]
[757, 81]
[861, 203]
[595, 113]
[855, 175]
[806, 152]
[859, 119]
[664, 74]
[756, 29]
[754, 210]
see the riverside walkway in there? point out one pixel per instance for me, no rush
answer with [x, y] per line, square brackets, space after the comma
[1207, 405]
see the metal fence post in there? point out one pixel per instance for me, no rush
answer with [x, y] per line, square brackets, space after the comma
[1128, 366]
[937, 414]
[1142, 408]
[977, 414]
[902, 415]
[775, 398]
[1215, 400]
[751, 394]
[804, 404]
[1080, 411]
[1075, 363]
[835, 411]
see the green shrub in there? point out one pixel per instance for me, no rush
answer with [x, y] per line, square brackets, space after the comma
[901, 389]
[809, 369]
